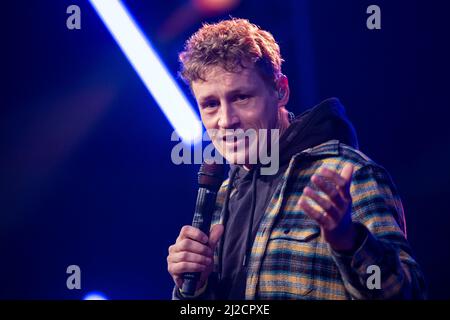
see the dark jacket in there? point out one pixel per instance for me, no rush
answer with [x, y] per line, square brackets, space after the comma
[285, 255]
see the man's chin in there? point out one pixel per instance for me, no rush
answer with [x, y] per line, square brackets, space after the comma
[238, 153]
[236, 158]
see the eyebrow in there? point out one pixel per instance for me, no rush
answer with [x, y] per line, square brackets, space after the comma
[207, 98]
[231, 93]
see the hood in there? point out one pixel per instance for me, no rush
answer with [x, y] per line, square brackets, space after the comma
[326, 121]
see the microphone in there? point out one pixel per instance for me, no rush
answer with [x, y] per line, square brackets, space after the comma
[210, 178]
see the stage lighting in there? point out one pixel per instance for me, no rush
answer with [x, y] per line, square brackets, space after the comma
[95, 296]
[150, 68]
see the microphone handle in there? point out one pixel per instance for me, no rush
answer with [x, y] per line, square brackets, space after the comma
[204, 209]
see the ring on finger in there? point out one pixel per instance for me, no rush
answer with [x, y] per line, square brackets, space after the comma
[323, 216]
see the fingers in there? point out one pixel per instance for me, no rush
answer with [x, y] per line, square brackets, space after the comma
[190, 246]
[339, 181]
[192, 252]
[193, 233]
[177, 269]
[347, 172]
[324, 203]
[314, 214]
[342, 181]
[178, 281]
[214, 235]
[189, 257]
[335, 203]
[329, 189]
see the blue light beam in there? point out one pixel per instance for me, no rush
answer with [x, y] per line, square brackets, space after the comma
[95, 296]
[150, 68]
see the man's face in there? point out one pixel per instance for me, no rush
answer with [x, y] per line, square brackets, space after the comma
[230, 101]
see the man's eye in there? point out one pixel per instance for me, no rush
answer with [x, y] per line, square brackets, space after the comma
[210, 104]
[242, 97]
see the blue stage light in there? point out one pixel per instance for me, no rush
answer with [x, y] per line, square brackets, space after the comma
[150, 68]
[95, 296]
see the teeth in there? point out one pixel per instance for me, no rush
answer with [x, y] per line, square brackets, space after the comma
[238, 135]
[231, 137]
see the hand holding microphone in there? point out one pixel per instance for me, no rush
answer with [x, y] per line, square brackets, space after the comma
[190, 259]
[193, 252]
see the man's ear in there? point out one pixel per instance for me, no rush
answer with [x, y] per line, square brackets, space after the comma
[283, 90]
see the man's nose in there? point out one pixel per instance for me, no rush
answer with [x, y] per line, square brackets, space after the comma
[228, 118]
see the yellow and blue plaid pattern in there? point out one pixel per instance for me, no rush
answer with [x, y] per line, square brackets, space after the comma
[291, 260]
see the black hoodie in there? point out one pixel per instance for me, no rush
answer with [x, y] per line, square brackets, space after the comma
[245, 208]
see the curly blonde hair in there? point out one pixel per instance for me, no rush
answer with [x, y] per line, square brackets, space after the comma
[230, 44]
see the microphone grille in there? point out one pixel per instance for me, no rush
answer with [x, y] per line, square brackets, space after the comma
[211, 175]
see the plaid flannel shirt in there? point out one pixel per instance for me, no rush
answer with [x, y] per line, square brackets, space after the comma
[291, 260]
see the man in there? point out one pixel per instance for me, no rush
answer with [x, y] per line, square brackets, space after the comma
[328, 225]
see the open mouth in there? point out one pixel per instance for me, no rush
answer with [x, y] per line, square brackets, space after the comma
[231, 137]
